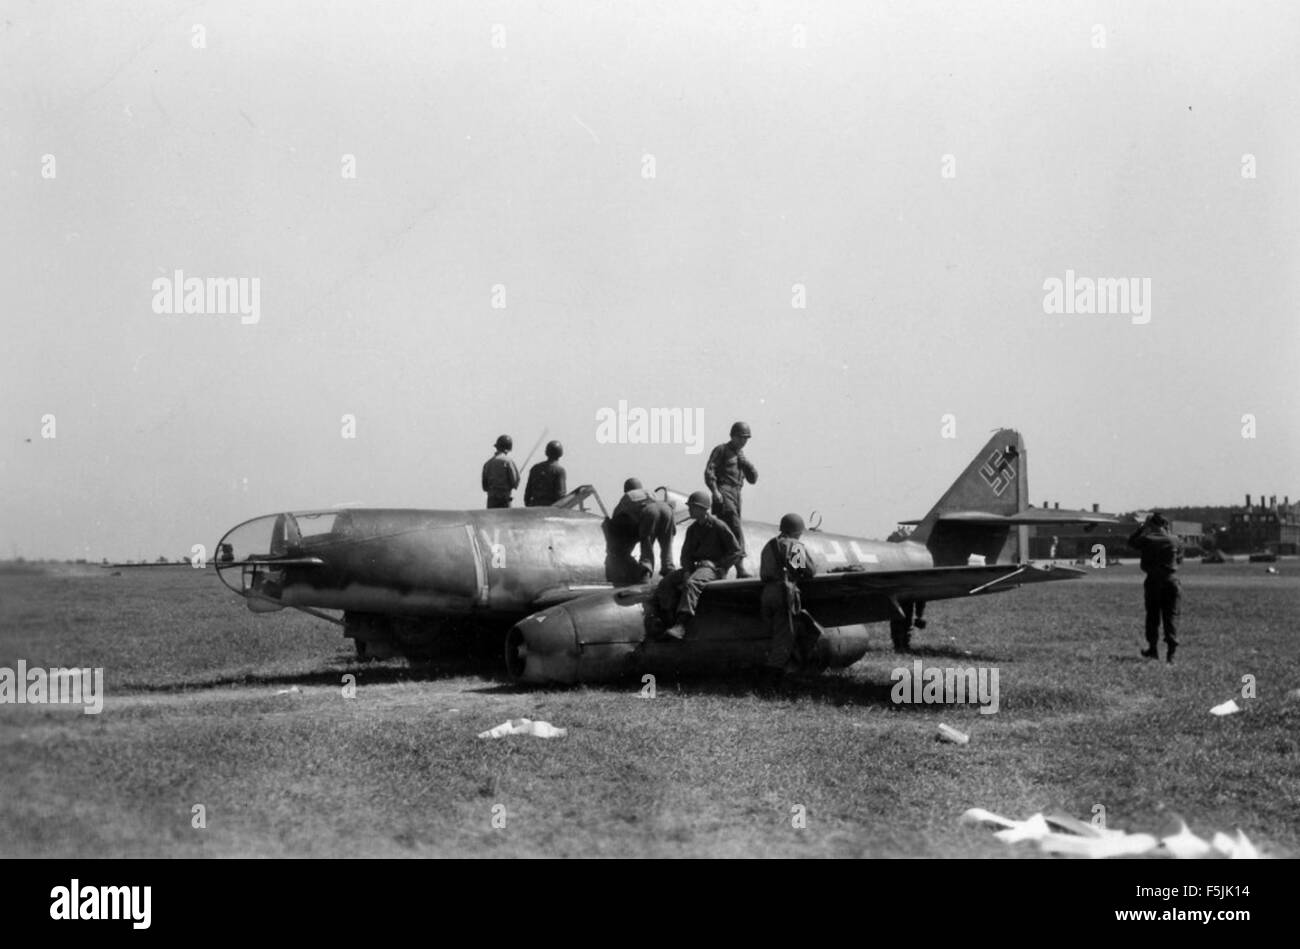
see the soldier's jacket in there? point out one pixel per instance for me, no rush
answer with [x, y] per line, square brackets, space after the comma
[1161, 552]
[627, 513]
[709, 539]
[500, 476]
[727, 470]
[785, 558]
[547, 483]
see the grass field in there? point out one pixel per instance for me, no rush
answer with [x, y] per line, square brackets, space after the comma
[703, 769]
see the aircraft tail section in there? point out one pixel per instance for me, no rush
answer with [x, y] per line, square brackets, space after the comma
[977, 515]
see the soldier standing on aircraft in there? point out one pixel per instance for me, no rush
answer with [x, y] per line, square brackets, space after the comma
[639, 515]
[725, 475]
[547, 481]
[707, 553]
[1161, 553]
[783, 563]
[500, 476]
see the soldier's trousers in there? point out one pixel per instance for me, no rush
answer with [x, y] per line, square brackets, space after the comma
[680, 593]
[729, 513]
[497, 502]
[1162, 596]
[656, 526]
[778, 619]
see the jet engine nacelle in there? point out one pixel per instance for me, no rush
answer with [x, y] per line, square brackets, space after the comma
[616, 633]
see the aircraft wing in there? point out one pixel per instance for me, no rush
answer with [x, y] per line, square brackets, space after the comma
[256, 561]
[861, 596]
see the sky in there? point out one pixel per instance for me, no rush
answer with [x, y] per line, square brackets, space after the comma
[835, 221]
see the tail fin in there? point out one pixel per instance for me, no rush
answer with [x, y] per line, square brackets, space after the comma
[975, 515]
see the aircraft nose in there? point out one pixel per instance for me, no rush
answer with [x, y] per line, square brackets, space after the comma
[262, 538]
[543, 647]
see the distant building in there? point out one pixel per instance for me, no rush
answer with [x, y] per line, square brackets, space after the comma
[1267, 526]
[1072, 541]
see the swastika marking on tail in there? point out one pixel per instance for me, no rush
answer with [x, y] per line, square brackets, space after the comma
[997, 472]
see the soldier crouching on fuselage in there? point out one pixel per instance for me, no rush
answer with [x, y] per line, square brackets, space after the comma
[639, 515]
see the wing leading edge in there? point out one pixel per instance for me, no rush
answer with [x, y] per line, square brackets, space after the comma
[839, 599]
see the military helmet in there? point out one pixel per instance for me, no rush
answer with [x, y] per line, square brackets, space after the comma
[741, 428]
[792, 524]
[554, 450]
[700, 499]
[631, 484]
[505, 443]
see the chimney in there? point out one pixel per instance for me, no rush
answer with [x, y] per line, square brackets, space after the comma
[1272, 500]
[1057, 506]
[1095, 507]
[1248, 502]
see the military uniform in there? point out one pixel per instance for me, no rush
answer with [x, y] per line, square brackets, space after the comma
[725, 474]
[707, 553]
[784, 561]
[1161, 553]
[641, 516]
[547, 483]
[500, 478]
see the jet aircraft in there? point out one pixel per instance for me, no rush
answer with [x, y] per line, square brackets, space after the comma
[410, 582]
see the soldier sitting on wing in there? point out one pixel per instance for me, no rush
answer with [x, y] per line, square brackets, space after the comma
[709, 551]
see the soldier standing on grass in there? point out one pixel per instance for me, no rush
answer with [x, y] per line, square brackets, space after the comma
[1161, 553]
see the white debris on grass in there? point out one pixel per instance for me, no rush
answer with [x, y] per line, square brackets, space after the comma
[1184, 844]
[524, 726]
[947, 733]
[1066, 836]
[1227, 708]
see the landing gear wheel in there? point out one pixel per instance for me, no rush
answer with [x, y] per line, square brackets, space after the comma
[363, 652]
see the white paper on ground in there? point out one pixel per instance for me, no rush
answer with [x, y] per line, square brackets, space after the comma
[1033, 829]
[525, 726]
[947, 733]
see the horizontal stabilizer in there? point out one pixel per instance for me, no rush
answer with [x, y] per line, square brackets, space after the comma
[1033, 515]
